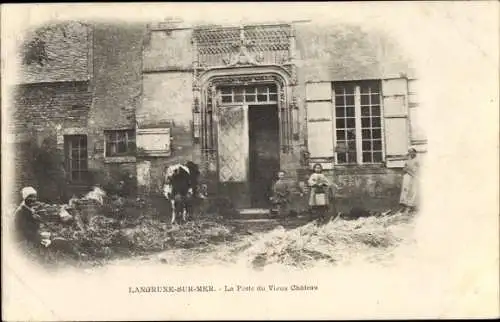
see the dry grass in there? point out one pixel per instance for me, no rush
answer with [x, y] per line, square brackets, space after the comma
[338, 241]
[97, 234]
[100, 233]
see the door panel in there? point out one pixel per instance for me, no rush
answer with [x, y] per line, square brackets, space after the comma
[232, 153]
[233, 143]
[76, 158]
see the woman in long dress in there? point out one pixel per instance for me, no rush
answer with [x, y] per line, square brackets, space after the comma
[409, 189]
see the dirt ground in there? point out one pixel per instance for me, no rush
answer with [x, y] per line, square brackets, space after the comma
[133, 230]
[299, 244]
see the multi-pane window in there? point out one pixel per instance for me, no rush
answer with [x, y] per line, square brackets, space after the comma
[261, 94]
[371, 123]
[345, 122]
[120, 142]
[76, 157]
[358, 122]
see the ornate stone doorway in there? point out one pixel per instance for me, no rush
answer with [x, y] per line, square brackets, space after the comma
[233, 103]
[245, 58]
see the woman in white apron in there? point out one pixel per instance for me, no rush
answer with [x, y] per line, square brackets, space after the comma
[409, 189]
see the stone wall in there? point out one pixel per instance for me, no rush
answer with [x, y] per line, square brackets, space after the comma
[167, 101]
[41, 112]
[134, 78]
[109, 59]
[168, 50]
[167, 96]
[347, 52]
[117, 91]
[339, 52]
[67, 48]
[44, 106]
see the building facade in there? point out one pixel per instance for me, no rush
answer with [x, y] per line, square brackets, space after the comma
[241, 101]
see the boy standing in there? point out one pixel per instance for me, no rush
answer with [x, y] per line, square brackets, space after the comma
[281, 195]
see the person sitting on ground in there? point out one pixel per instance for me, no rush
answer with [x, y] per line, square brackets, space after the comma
[26, 221]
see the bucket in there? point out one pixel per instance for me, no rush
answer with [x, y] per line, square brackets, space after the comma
[320, 199]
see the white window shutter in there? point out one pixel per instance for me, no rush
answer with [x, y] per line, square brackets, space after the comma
[319, 121]
[154, 142]
[319, 91]
[417, 133]
[320, 139]
[397, 134]
[319, 111]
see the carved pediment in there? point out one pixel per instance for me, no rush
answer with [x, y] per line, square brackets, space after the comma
[243, 56]
[243, 46]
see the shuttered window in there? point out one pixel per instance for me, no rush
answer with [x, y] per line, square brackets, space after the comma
[358, 123]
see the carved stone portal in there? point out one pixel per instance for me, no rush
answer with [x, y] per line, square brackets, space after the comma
[232, 56]
[212, 116]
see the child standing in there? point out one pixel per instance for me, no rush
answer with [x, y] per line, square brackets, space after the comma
[319, 198]
[281, 195]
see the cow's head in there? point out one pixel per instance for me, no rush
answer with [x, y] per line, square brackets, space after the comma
[194, 169]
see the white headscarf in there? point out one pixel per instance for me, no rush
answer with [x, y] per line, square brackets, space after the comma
[28, 191]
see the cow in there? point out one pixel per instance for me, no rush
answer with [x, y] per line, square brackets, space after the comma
[180, 186]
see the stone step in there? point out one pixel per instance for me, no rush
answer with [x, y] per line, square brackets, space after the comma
[263, 225]
[260, 220]
[253, 213]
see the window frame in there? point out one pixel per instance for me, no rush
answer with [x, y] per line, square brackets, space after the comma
[70, 147]
[357, 84]
[271, 90]
[129, 152]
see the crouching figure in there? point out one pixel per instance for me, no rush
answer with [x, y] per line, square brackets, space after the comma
[27, 221]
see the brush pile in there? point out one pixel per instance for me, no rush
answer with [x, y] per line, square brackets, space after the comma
[150, 235]
[103, 228]
[337, 241]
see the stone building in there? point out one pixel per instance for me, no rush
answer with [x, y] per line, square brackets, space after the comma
[242, 101]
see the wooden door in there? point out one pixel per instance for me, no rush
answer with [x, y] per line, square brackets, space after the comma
[76, 158]
[233, 152]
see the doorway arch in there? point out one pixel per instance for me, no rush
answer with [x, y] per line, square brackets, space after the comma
[208, 102]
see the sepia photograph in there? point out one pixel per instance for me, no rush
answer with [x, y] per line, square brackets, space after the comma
[189, 155]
